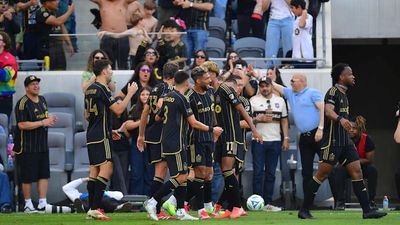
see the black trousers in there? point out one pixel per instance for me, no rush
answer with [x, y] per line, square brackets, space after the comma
[120, 171]
[340, 175]
[6, 104]
[117, 51]
[308, 148]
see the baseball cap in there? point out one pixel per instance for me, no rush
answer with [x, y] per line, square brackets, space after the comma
[266, 80]
[29, 79]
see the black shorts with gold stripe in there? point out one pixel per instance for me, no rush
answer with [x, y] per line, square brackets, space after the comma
[201, 154]
[177, 163]
[229, 149]
[239, 165]
[342, 154]
[99, 153]
[155, 153]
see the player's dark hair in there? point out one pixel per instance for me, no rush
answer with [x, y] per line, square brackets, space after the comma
[169, 70]
[337, 70]
[100, 65]
[180, 77]
[297, 3]
[198, 72]
[6, 40]
[231, 79]
[90, 62]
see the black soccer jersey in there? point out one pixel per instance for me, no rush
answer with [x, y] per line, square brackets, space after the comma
[203, 109]
[98, 100]
[247, 106]
[153, 128]
[227, 116]
[334, 133]
[31, 140]
[175, 111]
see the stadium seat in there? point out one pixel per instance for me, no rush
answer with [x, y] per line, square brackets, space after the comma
[3, 149]
[61, 102]
[250, 47]
[217, 28]
[215, 48]
[81, 159]
[64, 124]
[29, 65]
[4, 122]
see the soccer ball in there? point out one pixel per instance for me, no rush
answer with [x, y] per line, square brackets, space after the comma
[255, 202]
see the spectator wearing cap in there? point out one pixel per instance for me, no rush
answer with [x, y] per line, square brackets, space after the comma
[8, 74]
[307, 106]
[31, 145]
[269, 115]
[8, 22]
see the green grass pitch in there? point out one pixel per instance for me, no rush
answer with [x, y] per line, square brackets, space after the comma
[279, 218]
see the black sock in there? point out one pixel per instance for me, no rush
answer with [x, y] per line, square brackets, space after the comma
[156, 185]
[199, 190]
[99, 188]
[310, 192]
[190, 189]
[90, 187]
[232, 185]
[362, 194]
[180, 193]
[166, 189]
[207, 191]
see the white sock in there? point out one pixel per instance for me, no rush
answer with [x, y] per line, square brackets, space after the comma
[172, 200]
[208, 205]
[28, 203]
[42, 203]
[152, 201]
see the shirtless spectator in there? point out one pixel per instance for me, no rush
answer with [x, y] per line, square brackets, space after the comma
[150, 22]
[113, 19]
[134, 7]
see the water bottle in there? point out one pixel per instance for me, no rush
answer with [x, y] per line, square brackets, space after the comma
[10, 163]
[10, 145]
[385, 204]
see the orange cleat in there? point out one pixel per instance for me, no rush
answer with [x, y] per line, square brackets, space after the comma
[217, 210]
[226, 214]
[244, 213]
[236, 213]
[203, 215]
[163, 216]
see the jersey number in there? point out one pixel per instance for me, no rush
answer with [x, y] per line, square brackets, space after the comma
[91, 108]
[165, 114]
[153, 104]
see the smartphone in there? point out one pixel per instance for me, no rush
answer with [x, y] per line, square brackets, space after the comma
[239, 66]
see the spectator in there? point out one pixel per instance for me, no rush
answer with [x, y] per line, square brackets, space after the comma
[200, 56]
[142, 172]
[220, 8]
[88, 77]
[279, 28]
[248, 26]
[8, 75]
[154, 57]
[196, 16]
[246, 72]
[366, 151]
[9, 23]
[166, 9]
[269, 118]
[31, 145]
[302, 34]
[113, 19]
[150, 22]
[143, 77]
[176, 47]
[5, 192]
[48, 23]
[275, 75]
[136, 35]
[228, 67]
[70, 24]
[31, 32]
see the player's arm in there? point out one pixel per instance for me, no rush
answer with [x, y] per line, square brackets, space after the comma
[58, 21]
[256, 135]
[320, 129]
[332, 115]
[142, 127]
[201, 126]
[119, 108]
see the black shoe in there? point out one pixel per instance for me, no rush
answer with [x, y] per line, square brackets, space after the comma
[373, 206]
[373, 215]
[340, 205]
[124, 207]
[6, 209]
[79, 206]
[41, 210]
[304, 214]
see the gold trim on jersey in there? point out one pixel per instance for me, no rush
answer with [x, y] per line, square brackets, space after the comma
[21, 106]
[21, 143]
[325, 149]
[107, 148]
[192, 153]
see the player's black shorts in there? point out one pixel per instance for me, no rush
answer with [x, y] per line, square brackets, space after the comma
[201, 154]
[155, 153]
[239, 165]
[34, 166]
[343, 154]
[229, 149]
[177, 163]
[99, 153]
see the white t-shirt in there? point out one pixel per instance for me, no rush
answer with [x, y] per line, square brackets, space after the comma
[302, 43]
[280, 9]
[259, 104]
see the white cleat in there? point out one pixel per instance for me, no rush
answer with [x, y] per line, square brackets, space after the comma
[181, 214]
[271, 208]
[151, 209]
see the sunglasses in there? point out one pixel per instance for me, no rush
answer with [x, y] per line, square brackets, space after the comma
[145, 70]
[150, 53]
[96, 57]
[201, 56]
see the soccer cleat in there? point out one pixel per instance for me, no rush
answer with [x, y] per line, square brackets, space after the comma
[224, 215]
[373, 215]
[41, 210]
[124, 207]
[217, 210]
[30, 210]
[304, 214]
[271, 208]
[203, 215]
[97, 214]
[151, 209]
[236, 213]
[181, 214]
[163, 216]
[79, 206]
[187, 207]
[169, 208]
[244, 213]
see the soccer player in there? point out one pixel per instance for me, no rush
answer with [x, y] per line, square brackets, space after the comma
[151, 134]
[98, 105]
[337, 146]
[228, 109]
[176, 113]
[201, 99]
